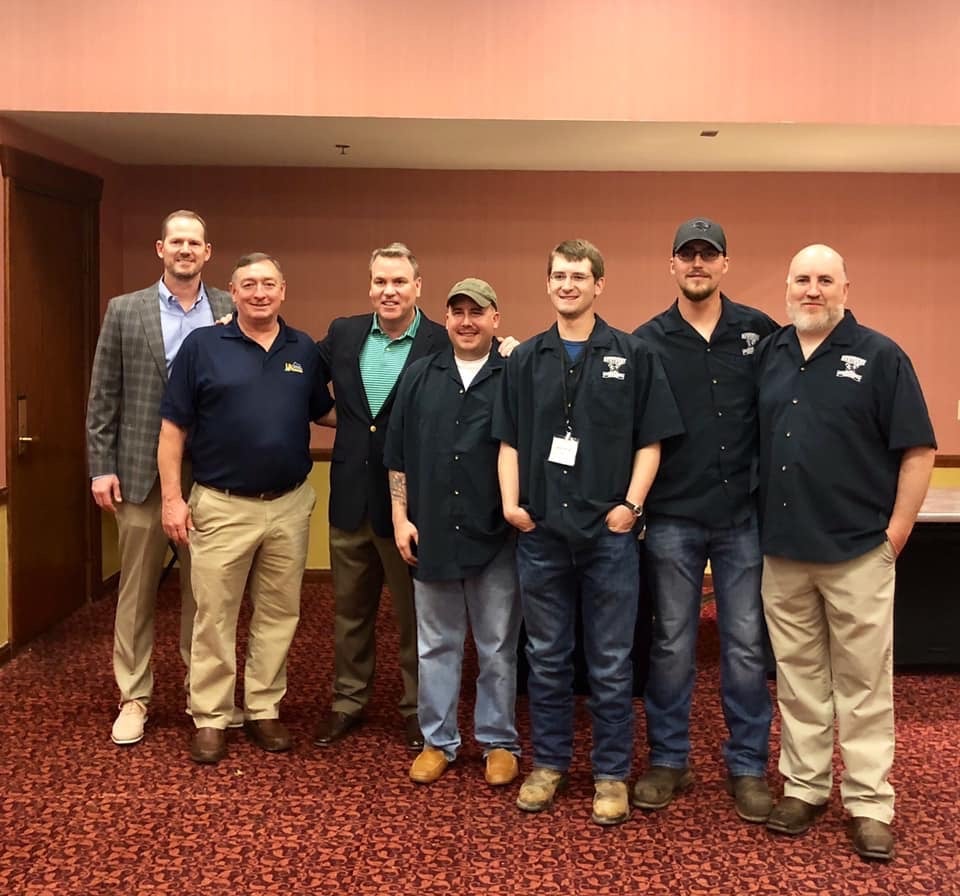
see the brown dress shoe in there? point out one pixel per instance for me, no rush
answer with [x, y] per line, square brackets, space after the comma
[502, 767]
[872, 839]
[335, 726]
[793, 816]
[412, 735]
[209, 745]
[428, 766]
[268, 734]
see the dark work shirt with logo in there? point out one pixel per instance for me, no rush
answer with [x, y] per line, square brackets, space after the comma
[833, 429]
[709, 473]
[247, 411]
[620, 401]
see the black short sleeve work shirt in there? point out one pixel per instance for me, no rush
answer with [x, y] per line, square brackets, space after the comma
[440, 438]
[709, 474]
[620, 401]
[833, 429]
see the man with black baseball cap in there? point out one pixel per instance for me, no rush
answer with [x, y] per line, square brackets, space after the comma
[702, 507]
[449, 527]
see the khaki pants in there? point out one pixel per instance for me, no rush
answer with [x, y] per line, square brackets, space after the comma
[831, 627]
[236, 537]
[360, 562]
[143, 549]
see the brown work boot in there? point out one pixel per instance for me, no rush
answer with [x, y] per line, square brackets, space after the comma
[429, 765]
[751, 795]
[659, 785]
[501, 768]
[793, 816]
[872, 839]
[610, 802]
[540, 787]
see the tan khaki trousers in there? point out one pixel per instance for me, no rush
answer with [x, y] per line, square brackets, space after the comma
[233, 538]
[143, 549]
[360, 562]
[831, 627]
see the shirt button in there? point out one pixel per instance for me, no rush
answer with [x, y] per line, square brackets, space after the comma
[461, 391]
[788, 435]
[784, 503]
[784, 469]
[373, 429]
[726, 481]
[714, 382]
[457, 491]
[708, 349]
[802, 369]
[457, 422]
[564, 503]
[570, 371]
[723, 447]
[719, 413]
[564, 472]
[457, 528]
[795, 400]
[457, 456]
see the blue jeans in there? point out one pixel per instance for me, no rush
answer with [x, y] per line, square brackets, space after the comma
[490, 601]
[676, 555]
[604, 575]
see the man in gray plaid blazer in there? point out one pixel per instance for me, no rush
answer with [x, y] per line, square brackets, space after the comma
[141, 334]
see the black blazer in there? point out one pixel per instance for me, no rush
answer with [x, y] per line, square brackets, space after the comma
[358, 479]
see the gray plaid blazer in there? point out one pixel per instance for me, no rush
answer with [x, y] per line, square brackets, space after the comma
[127, 383]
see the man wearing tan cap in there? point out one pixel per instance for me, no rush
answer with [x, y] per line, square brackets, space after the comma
[449, 527]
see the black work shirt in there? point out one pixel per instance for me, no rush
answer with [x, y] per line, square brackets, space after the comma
[833, 429]
[440, 438]
[709, 474]
[247, 411]
[620, 402]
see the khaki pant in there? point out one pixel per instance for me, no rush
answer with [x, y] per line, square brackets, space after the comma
[143, 549]
[360, 562]
[236, 537]
[831, 627]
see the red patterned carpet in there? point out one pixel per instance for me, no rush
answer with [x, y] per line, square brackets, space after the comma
[81, 816]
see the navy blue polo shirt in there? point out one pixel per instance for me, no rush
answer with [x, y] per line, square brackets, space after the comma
[620, 402]
[440, 438]
[247, 411]
[833, 430]
[709, 474]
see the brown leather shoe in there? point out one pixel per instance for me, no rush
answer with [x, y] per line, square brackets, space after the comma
[412, 735]
[209, 745]
[335, 726]
[872, 839]
[268, 734]
[502, 767]
[428, 766]
[793, 816]
[751, 795]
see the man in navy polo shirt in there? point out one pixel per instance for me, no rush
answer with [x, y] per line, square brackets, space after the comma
[580, 418]
[449, 527]
[702, 507]
[245, 394]
[846, 450]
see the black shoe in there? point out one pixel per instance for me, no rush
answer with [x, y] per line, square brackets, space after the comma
[412, 736]
[335, 726]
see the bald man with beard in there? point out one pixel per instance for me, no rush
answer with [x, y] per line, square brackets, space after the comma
[846, 450]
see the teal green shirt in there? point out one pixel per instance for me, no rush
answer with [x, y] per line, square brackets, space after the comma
[382, 359]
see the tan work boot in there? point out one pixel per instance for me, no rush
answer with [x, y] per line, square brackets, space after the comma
[610, 803]
[539, 789]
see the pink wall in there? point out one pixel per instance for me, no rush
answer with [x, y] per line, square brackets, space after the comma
[500, 225]
[862, 61]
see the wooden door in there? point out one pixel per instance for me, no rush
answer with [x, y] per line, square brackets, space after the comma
[52, 276]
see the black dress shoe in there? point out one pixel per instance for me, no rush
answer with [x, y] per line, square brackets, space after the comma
[268, 734]
[412, 735]
[335, 726]
[209, 745]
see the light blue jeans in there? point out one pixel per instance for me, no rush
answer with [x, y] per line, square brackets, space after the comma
[490, 602]
[676, 554]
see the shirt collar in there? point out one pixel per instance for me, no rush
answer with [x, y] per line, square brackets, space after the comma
[600, 337]
[167, 297]
[674, 321]
[841, 334]
[411, 331]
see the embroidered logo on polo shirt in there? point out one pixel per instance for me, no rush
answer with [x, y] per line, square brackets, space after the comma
[292, 367]
[852, 364]
[751, 339]
[614, 363]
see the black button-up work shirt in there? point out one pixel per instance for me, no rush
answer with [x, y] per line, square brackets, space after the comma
[709, 474]
[440, 438]
[833, 429]
[620, 402]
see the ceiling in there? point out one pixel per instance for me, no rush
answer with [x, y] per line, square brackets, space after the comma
[160, 139]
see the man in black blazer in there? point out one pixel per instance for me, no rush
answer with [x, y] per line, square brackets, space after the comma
[364, 356]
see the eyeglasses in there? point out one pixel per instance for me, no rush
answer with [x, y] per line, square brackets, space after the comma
[707, 253]
[560, 277]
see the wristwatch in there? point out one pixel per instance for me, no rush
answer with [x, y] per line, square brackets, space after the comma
[636, 508]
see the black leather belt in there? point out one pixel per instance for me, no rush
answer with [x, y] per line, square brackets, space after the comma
[261, 496]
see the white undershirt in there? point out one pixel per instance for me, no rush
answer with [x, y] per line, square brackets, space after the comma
[469, 369]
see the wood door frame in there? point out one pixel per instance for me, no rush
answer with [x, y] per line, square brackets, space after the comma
[26, 171]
